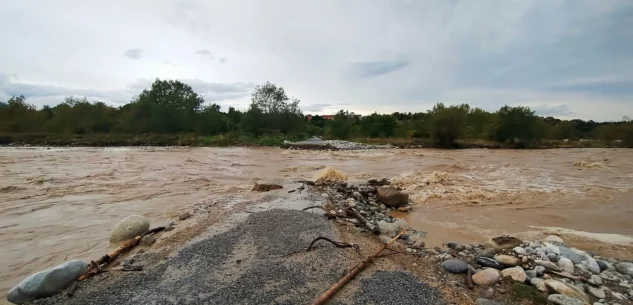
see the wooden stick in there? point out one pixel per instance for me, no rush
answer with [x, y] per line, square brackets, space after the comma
[352, 212]
[336, 287]
[95, 267]
[469, 279]
[335, 243]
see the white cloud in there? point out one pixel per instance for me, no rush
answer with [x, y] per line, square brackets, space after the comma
[373, 55]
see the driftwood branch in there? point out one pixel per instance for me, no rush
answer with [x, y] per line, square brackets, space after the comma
[313, 207]
[469, 279]
[335, 243]
[370, 226]
[96, 267]
[336, 287]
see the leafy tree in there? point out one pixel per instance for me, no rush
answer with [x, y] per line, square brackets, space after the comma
[280, 114]
[515, 123]
[233, 117]
[563, 130]
[253, 120]
[168, 106]
[447, 124]
[211, 121]
[377, 125]
[341, 127]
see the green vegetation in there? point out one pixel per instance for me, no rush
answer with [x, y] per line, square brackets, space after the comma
[171, 113]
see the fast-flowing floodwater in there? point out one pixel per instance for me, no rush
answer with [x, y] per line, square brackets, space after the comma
[61, 203]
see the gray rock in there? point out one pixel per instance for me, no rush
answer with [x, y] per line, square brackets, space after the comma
[531, 273]
[148, 240]
[128, 228]
[516, 273]
[535, 244]
[455, 266]
[524, 259]
[392, 197]
[551, 256]
[535, 281]
[595, 280]
[489, 262]
[618, 295]
[481, 301]
[184, 215]
[570, 254]
[548, 265]
[625, 268]
[566, 265]
[612, 260]
[489, 252]
[562, 299]
[519, 250]
[48, 282]
[604, 265]
[539, 270]
[591, 264]
[530, 250]
[460, 247]
[596, 292]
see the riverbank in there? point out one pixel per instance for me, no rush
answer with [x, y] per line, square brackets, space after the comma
[119, 140]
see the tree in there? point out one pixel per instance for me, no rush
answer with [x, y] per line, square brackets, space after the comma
[515, 123]
[168, 106]
[253, 120]
[341, 126]
[447, 124]
[211, 121]
[233, 117]
[377, 125]
[279, 113]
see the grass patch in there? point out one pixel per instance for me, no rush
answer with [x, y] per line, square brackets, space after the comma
[521, 293]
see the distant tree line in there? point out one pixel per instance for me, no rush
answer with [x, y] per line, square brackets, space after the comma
[172, 107]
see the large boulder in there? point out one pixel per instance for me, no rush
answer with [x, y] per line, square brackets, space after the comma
[128, 228]
[570, 254]
[455, 266]
[48, 282]
[392, 197]
[486, 277]
[625, 268]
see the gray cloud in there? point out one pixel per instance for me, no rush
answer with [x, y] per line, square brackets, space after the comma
[555, 111]
[134, 54]
[375, 68]
[563, 52]
[204, 53]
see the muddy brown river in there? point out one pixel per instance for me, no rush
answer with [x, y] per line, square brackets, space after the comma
[60, 204]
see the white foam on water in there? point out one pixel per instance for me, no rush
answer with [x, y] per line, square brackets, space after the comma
[607, 238]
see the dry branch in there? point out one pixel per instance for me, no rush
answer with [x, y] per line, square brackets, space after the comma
[96, 267]
[370, 226]
[336, 287]
[335, 243]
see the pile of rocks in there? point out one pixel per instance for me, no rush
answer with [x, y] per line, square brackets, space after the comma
[374, 200]
[340, 144]
[570, 276]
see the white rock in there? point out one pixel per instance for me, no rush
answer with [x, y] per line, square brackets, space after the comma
[562, 299]
[486, 277]
[508, 260]
[129, 227]
[562, 288]
[554, 240]
[566, 265]
[519, 250]
[551, 248]
[48, 282]
[547, 265]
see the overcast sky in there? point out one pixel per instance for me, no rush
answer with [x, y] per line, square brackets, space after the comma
[568, 59]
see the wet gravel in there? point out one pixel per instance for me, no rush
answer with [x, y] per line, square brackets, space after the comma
[260, 261]
[397, 288]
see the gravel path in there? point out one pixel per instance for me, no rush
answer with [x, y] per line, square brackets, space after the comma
[250, 264]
